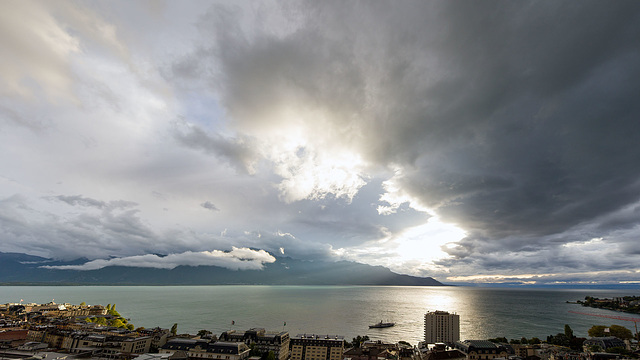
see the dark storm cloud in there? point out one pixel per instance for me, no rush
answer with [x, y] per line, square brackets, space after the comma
[238, 152]
[209, 206]
[17, 117]
[535, 117]
[287, 244]
[112, 226]
[365, 128]
[89, 202]
[516, 121]
[80, 200]
[355, 222]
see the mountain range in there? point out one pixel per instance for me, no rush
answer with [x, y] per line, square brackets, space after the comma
[23, 269]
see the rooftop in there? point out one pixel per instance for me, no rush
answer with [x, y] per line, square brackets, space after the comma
[318, 337]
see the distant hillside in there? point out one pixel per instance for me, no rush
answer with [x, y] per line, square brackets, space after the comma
[25, 269]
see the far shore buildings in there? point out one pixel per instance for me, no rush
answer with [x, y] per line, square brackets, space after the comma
[441, 327]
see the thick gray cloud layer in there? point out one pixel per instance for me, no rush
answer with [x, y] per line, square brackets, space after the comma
[440, 138]
[236, 259]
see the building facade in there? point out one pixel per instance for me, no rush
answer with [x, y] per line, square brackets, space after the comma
[482, 349]
[263, 341]
[441, 327]
[317, 347]
[137, 345]
[200, 349]
[604, 343]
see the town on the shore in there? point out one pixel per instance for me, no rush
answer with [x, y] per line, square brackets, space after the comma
[66, 331]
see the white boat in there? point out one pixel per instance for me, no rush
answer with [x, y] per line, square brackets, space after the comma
[382, 325]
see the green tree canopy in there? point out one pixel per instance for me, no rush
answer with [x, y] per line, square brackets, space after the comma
[174, 329]
[618, 331]
[619, 350]
[559, 339]
[358, 340]
[116, 323]
[83, 304]
[271, 356]
[568, 331]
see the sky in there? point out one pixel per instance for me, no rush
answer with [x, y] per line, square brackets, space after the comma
[474, 142]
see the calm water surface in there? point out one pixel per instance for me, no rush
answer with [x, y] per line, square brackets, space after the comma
[342, 310]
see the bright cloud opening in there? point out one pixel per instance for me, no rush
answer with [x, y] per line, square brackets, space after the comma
[424, 242]
[311, 162]
[594, 277]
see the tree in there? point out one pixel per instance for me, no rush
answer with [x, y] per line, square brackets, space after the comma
[618, 331]
[589, 300]
[576, 343]
[358, 340]
[534, 341]
[83, 304]
[596, 331]
[253, 351]
[130, 327]
[595, 348]
[108, 307]
[271, 356]
[116, 323]
[559, 339]
[568, 332]
[618, 350]
[174, 329]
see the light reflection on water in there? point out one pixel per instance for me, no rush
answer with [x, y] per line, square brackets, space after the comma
[484, 312]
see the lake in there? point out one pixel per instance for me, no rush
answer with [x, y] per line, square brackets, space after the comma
[339, 310]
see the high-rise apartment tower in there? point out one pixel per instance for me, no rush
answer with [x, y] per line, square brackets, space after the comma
[441, 327]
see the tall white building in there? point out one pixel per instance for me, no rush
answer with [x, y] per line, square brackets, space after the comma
[441, 327]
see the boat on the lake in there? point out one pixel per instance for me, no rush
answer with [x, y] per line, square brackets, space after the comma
[382, 325]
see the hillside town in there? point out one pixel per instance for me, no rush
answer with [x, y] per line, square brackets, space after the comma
[628, 304]
[65, 331]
